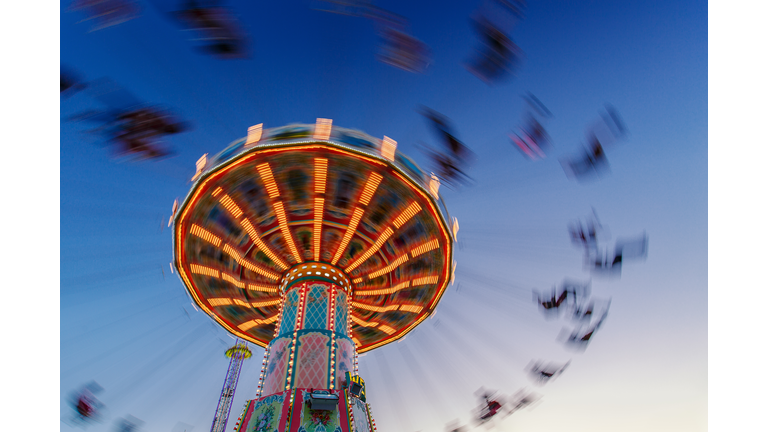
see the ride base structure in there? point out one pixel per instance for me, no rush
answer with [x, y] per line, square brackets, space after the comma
[315, 242]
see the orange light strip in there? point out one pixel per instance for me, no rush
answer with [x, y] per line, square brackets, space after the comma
[231, 206]
[229, 250]
[362, 323]
[318, 226]
[204, 234]
[425, 280]
[391, 290]
[426, 247]
[280, 212]
[370, 187]
[387, 329]
[204, 270]
[254, 134]
[260, 244]
[372, 250]
[356, 216]
[358, 280]
[321, 174]
[388, 147]
[265, 303]
[240, 302]
[217, 191]
[411, 308]
[253, 323]
[262, 288]
[390, 267]
[220, 301]
[232, 280]
[269, 181]
[323, 128]
[407, 214]
[374, 308]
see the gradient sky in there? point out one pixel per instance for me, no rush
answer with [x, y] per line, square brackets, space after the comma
[123, 316]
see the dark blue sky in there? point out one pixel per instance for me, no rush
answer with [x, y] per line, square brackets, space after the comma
[123, 321]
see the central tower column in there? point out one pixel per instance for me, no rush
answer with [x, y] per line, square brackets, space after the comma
[312, 348]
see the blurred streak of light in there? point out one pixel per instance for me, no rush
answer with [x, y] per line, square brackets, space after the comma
[392, 390]
[422, 379]
[121, 346]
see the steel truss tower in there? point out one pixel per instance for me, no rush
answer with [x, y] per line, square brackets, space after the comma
[237, 354]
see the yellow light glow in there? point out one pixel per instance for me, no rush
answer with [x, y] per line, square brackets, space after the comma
[248, 264]
[407, 214]
[411, 308]
[426, 247]
[362, 323]
[260, 244]
[269, 181]
[239, 302]
[253, 323]
[434, 185]
[200, 166]
[351, 228]
[265, 303]
[232, 280]
[390, 267]
[217, 191]
[318, 226]
[388, 147]
[321, 174]
[386, 329]
[254, 134]
[323, 128]
[358, 280]
[425, 280]
[280, 212]
[196, 268]
[220, 301]
[231, 206]
[262, 288]
[384, 291]
[370, 188]
[373, 307]
[204, 234]
[372, 250]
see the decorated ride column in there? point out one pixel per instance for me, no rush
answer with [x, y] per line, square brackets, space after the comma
[312, 348]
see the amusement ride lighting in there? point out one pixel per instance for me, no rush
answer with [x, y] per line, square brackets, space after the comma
[323, 129]
[266, 303]
[398, 287]
[358, 280]
[321, 174]
[372, 250]
[254, 134]
[200, 166]
[374, 308]
[253, 323]
[426, 247]
[434, 185]
[411, 308]
[269, 180]
[388, 147]
[231, 206]
[407, 214]
[425, 280]
[370, 188]
[287, 236]
[203, 270]
[356, 216]
[386, 329]
[394, 264]
[204, 234]
[362, 323]
[318, 228]
[220, 301]
[260, 244]
[232, 280]
[262, 288]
